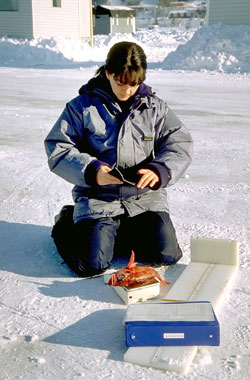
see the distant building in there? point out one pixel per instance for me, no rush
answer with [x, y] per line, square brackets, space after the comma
[46, 18]
[230, 12]
[114, 19]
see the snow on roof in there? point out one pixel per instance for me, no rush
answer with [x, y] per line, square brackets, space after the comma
[116, 7]
[113, 10]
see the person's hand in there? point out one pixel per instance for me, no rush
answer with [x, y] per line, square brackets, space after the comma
[148, 178]
[104, 178]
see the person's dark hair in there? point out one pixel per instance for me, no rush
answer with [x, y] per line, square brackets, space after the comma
[127, 61]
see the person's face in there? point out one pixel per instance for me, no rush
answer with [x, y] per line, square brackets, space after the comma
[121, 90]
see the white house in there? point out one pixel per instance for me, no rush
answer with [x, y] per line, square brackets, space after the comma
[46, 18]
[230, 12]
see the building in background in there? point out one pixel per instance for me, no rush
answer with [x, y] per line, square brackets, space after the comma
[113, 19]
[46, 18]
[229, 12]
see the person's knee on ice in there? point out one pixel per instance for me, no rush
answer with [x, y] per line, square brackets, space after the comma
[153, 238]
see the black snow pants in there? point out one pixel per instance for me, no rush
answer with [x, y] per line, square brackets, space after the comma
[89, 246]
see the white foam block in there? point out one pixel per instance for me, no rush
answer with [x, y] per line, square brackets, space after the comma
[216, 286]
[178, 359]
[203, 282]
[215, 251]
[200, 281]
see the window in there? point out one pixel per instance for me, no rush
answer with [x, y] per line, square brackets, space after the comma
[9, 5]
[57, 3]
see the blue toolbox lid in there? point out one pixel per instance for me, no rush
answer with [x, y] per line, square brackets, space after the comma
[172, 324]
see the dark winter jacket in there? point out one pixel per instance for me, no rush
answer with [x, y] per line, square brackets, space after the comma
[93, 129]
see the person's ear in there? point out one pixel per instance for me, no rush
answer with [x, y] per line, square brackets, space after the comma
[108, 74]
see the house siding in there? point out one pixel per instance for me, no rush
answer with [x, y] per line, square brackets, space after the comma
[50, 21]
[105, 24]
[17, 23]
[86, 19]
[38, 18]
[229, 12]
[123, 25]
[113, 19]
[102, 24]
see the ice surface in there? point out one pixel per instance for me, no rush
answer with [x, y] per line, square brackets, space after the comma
[55, 325]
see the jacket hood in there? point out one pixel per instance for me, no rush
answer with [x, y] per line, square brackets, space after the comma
[101, 82]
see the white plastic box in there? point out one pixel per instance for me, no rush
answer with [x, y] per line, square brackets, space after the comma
[135, 294]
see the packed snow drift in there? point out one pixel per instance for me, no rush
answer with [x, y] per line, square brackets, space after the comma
[215, 48]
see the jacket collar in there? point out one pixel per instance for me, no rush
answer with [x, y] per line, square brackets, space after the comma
[101, 84]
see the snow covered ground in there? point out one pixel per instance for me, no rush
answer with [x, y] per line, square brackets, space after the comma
[56, 326]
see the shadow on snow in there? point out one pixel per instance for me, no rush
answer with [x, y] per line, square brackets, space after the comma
[106, 333]
[28, 250]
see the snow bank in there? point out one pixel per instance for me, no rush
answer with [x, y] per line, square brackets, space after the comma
[66, 52]
[217, 48]
[214, 48]
[51, 52]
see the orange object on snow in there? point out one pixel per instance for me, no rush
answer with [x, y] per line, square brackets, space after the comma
[134, 275]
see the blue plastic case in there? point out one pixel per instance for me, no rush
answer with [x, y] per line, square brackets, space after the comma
[172, 324]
